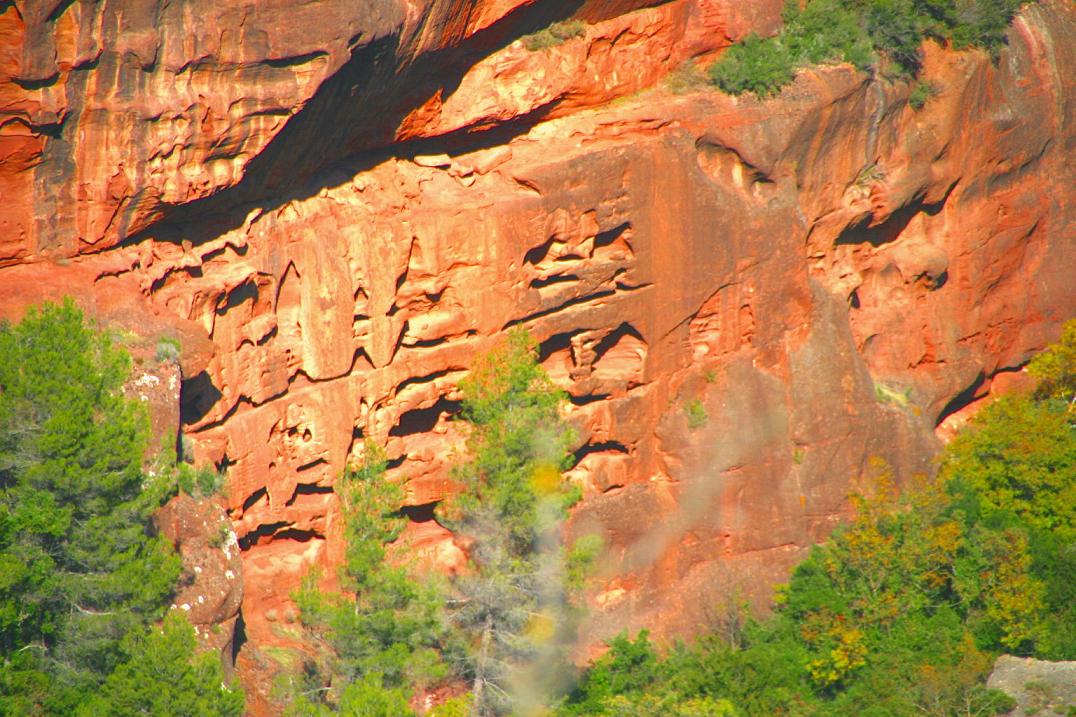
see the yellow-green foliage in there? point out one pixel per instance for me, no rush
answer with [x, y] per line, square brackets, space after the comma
[903, 610]
[1015, 467]
[459, 706]
[515, 607]
[667, 706]
[518, 443]
[1055, 368]
[1019, 456]
[580, 559]
[696, 414]
[841, 649]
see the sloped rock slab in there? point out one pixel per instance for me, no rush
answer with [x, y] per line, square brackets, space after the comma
[1040, 688]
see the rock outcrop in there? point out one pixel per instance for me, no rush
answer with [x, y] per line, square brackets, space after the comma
[1038, 686]
[746, 301]
[211, 589]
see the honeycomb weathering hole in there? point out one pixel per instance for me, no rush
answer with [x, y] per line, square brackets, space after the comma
[621, 355]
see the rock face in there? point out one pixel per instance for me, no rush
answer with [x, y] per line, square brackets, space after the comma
[1039, 687]
[113, 113]
[746, 301]
[211, 589]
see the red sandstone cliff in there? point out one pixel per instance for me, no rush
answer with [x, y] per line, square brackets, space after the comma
[337, 205]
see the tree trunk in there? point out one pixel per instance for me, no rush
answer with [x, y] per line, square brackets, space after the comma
[480, 669]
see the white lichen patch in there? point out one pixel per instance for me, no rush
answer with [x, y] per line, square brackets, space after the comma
[148, 380]
[231, 545]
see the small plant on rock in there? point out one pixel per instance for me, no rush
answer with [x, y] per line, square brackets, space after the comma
[890, 394]
[696, 414]
[922, 93]
[220, 536]
[554, 35]
[201, 482]
[686, 78]
[168, 349]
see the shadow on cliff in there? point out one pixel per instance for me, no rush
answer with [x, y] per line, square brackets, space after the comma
[350, 123]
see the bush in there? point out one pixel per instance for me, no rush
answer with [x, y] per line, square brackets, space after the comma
[458, 706]
[696, 414]
[168, 349]
[203, 482]
[921, 94]
[827, 31]
[758, 65]
[982, 23]
[881, 33]
[164, 675]
[554, 35]
[630, 668]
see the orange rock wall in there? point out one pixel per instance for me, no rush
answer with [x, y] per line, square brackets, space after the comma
[336, 222]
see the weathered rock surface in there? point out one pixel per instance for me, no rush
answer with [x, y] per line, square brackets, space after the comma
[336, 222]
[112, 113]
[211, 589]
[1039, 687]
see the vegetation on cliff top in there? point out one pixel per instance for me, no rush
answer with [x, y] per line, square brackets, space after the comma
[82, 574]
[885, 34]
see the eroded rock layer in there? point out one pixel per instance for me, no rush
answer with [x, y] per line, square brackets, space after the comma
[746, 301]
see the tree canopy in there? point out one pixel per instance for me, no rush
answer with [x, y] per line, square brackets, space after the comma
[81, 568]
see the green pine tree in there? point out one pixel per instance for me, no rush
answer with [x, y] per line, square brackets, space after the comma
[514, 609]
[80, 566]
[381, 640]
[163, 676]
